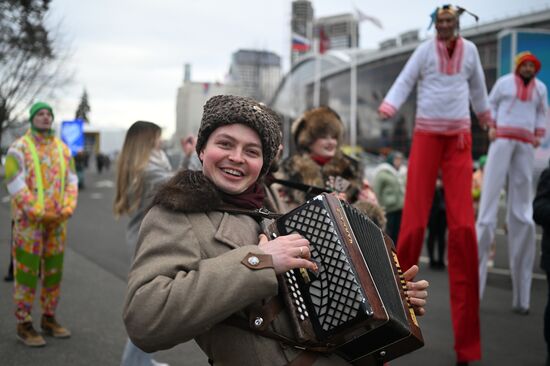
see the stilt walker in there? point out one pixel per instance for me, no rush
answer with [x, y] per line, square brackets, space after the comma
[519, 105]
[449, 75]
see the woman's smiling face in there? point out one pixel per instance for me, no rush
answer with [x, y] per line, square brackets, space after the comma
[324, 146]
[232, 158]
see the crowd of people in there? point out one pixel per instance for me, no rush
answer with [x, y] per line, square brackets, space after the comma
[185, 251]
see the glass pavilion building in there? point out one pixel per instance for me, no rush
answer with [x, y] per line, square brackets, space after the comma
[376, 71]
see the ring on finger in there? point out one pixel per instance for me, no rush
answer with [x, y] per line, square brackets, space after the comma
[301, 251]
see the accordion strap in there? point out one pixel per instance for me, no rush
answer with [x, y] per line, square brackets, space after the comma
[261, 317]
[241, 323]
[309, 189]
[261, 213]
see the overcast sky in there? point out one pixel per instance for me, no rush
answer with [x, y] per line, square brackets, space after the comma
[129, 54]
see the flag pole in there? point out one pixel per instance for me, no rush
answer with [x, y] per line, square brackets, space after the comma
[360, 16]
[353, 90]
[317, 70]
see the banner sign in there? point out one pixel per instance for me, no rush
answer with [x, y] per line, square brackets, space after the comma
[72, 133]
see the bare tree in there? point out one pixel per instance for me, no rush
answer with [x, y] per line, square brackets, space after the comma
[31, 62]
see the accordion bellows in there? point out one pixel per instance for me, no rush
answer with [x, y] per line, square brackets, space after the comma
[355, 304]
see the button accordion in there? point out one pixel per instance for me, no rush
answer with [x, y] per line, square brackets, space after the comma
[355, 304]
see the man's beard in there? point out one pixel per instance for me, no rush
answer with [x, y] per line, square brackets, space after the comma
[526, 79]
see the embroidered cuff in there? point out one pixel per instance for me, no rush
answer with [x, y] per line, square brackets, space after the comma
[387, 109]
[540, 132]
[258, 261]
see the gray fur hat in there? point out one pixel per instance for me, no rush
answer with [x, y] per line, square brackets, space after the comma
[222, 110]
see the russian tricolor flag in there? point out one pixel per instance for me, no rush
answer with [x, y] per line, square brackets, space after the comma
[300, 43]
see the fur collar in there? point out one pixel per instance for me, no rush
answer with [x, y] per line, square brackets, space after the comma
[304, 169]
[188, 191]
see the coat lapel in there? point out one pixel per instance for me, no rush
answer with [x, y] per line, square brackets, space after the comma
[234, 233]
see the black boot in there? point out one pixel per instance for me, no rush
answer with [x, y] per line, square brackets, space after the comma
[9, 276]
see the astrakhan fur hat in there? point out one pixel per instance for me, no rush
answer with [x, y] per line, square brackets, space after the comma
[222, 110]
[316, 123]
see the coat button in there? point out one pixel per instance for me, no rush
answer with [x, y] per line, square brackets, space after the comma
[253, 260]
[258, 322]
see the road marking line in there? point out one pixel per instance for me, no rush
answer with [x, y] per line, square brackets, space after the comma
[499, 271]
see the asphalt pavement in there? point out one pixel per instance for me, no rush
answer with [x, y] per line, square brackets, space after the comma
[94, 283]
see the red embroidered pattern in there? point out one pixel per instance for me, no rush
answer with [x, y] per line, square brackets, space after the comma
[387, 108]
[515, 133]
[524, 92]
[450, 65]
[442, 126]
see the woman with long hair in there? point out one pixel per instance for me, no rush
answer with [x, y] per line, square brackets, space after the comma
[202, 259]
[142, 166]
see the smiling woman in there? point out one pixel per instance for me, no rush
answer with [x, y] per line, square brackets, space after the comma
[319, 162]
[232, 158]
[202, 267]
[190, 256]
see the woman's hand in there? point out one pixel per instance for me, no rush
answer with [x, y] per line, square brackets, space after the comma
[417, 291]
[340, 195]
[188, 145]
[288, 252]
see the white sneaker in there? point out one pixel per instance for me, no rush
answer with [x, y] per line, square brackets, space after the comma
[156, 363]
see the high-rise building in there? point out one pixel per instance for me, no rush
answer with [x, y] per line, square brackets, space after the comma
[191, 97]
[301, 29]
[254, 74]
[339, 31]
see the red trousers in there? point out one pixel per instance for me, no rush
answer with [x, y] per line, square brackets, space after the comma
[451, 154]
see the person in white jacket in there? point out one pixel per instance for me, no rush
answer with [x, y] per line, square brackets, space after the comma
[519, 105]
[449, 76]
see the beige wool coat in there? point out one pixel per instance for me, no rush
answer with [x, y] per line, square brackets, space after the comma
[190, 273]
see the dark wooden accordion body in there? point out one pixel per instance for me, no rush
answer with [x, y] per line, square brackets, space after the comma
[355, 304]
